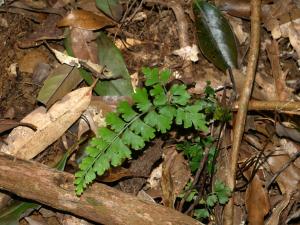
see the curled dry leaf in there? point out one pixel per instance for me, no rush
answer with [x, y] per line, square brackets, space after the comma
[85, 20]
[26, 143]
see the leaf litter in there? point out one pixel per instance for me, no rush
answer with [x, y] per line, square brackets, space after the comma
[269, 168]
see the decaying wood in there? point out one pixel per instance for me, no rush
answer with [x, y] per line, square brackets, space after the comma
[99, 202]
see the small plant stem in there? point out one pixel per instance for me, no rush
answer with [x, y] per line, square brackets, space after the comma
[238, 129]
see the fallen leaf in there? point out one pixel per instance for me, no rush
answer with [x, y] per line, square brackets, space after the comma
[257, 195]
[175, 175]
[111, 8]
[61, 81]
[26, 143]
[85, 20]
[47, 30]
[7, 124]
[83, 45]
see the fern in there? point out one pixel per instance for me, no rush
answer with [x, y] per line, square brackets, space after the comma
[155, 109]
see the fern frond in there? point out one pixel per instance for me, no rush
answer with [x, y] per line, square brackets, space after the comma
[154, 110]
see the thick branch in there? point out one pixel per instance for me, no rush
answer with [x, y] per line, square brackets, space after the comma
[99, 203]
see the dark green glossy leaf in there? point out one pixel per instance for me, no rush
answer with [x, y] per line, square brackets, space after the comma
[111, 8]
[215, 37]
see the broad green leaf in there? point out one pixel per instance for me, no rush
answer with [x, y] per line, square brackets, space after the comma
[111, 8]
[215, 37]
[110, 57]
[60, 82]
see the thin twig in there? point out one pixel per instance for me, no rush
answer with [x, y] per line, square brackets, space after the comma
[286, 165]
[243, 103]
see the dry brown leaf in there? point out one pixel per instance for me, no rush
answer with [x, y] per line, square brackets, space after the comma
[83, 45]
[26, 143]
[85, 20]
[175, 175]
[7, 124]
[115, 174]
[45, 31]
[256, 195]
[282, 91]
[29, 61]
[288, 180]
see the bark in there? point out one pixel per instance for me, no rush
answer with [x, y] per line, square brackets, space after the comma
[99, 203]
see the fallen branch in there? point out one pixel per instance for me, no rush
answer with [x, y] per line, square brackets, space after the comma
[99, 203]
[239, 127]
[279, 106]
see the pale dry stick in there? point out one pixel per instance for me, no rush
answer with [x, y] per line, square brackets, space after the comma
[279, 106]
[182, 29]
[239, 127]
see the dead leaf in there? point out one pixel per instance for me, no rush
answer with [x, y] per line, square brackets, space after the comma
[175, 175]
[26, 143]
[29, 61]
[115, 174]
[83, 45]
[61, 81]
[85, 20]
[257, 195]
[46, 30]
[7, 124]
[282, 91]
[99, 70]
[284, 131]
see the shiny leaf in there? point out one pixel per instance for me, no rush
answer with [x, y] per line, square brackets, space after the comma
[215, 37]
